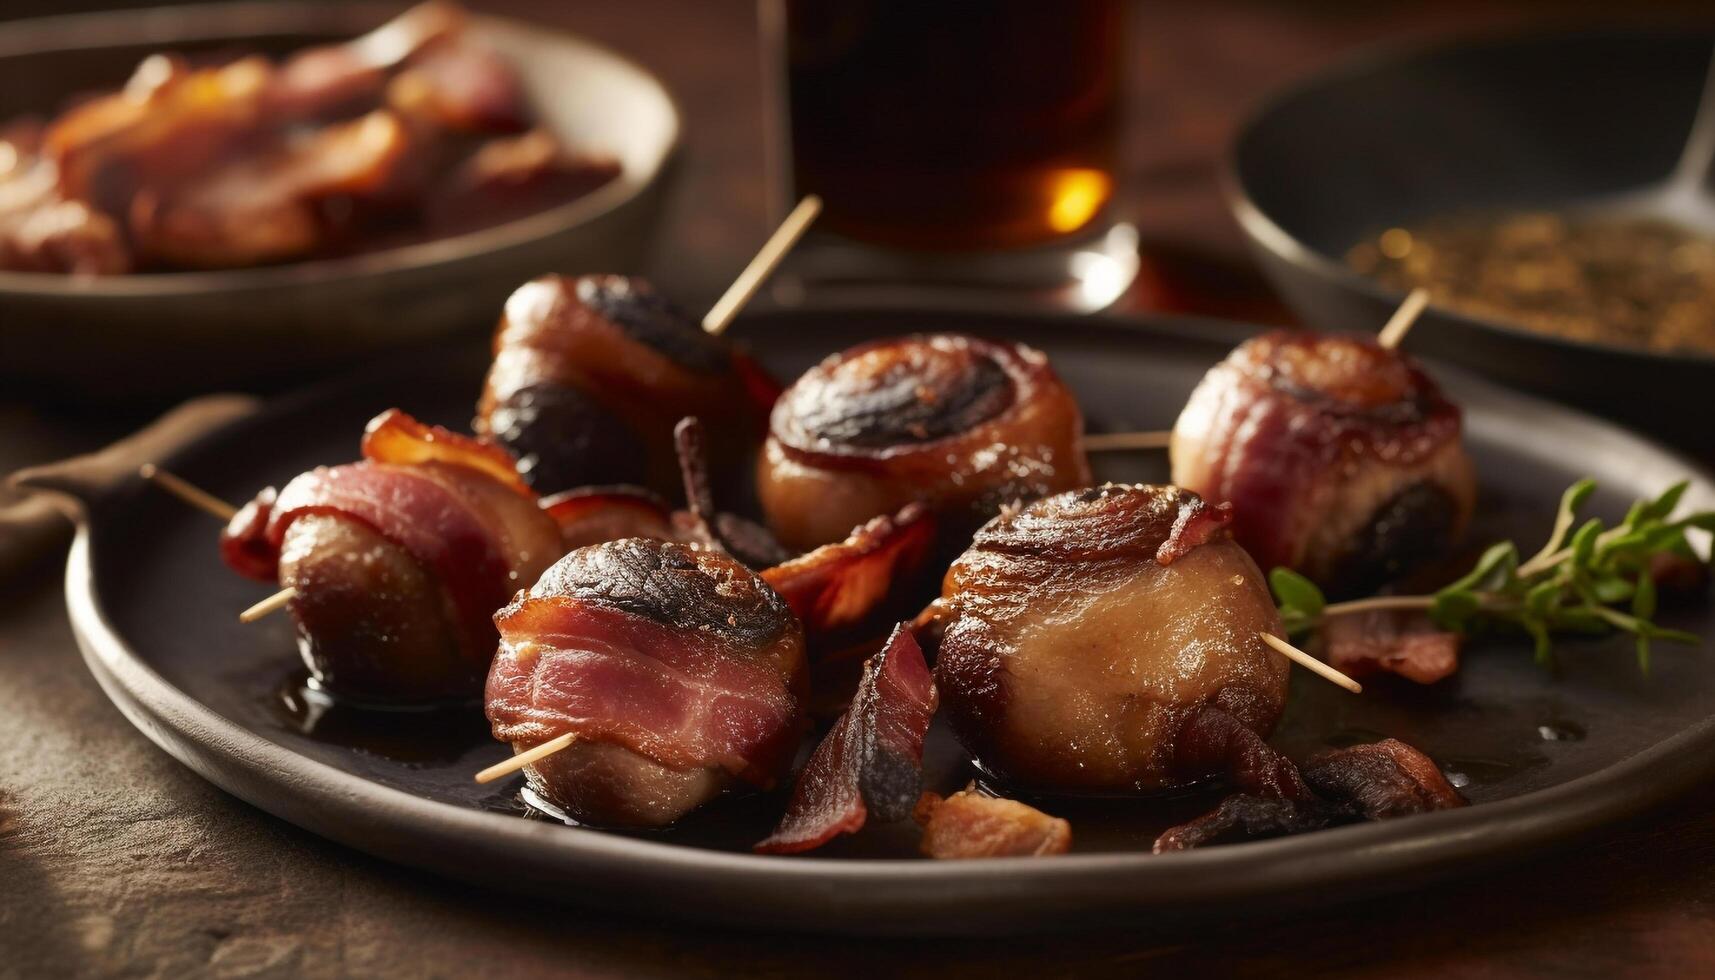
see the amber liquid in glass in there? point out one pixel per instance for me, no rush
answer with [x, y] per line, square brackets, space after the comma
[946, 126]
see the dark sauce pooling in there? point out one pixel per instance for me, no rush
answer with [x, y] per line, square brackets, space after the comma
[412, 736]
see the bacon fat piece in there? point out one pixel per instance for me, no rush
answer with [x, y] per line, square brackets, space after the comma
[961, 424]
[1084, 632]
[591, 515]
[1342, 459]
[1399, 642]
[399, 561]
[1379, 781]
[839, 590]
[591, 374]
[973, 824]
[871, 762]
[680, 671]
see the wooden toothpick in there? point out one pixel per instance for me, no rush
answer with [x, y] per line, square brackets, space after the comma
[1310, 663]
[720, 316]
[188, 492]
[1403, 318]
[272, 604]
[526, 758]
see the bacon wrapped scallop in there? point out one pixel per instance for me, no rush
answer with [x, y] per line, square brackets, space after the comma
[680, 673]
[591, 374]
[1106, 641]
[1342, 458]
[397, 563]
[958, 423]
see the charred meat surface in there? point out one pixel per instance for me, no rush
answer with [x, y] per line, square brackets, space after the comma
[1378, 781]
[1343, 459]
[973, 824]
[870, 765]
[591, 374]
[1084, 632]
[960, 424]
[680, 672]
[399, 561]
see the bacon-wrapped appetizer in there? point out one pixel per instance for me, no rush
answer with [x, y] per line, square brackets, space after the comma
[1106, 641]
[1342, 458]
[397, 563]
[958, 423]
[591, 374]
[680, 673]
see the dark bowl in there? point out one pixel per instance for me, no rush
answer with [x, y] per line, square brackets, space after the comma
[183, 331]
[1392, 137]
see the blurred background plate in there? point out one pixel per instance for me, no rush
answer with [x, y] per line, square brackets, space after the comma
[122, 336]
[1390, 138]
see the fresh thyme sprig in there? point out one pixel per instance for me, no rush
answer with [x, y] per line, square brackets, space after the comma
[1574, 584]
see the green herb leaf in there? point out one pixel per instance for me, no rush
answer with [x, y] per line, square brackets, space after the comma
[1572, 585]
[1294, 591]
[1662, 506]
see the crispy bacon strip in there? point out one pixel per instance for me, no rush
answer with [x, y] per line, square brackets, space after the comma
[1342, 458]
[871, 762]
[42, 231]
[1393, 642]
[591, 515]
[1365, 782]
[167, 125]
[323, 80]
[244, 544]
[973, 824]
[839, 588]
[959, 423]
[267, 207]
[682, 657]
[395, 437]
[510, 177]
[464, 88]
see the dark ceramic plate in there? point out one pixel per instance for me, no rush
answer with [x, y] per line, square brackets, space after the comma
[1543, 756]
[1392, 137]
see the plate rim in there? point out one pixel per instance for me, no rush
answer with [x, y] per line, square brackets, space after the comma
[815, 893]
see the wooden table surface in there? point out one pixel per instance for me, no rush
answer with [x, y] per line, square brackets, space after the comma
[116, 860]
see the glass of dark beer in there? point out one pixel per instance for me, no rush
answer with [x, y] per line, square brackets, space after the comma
[954, 142]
